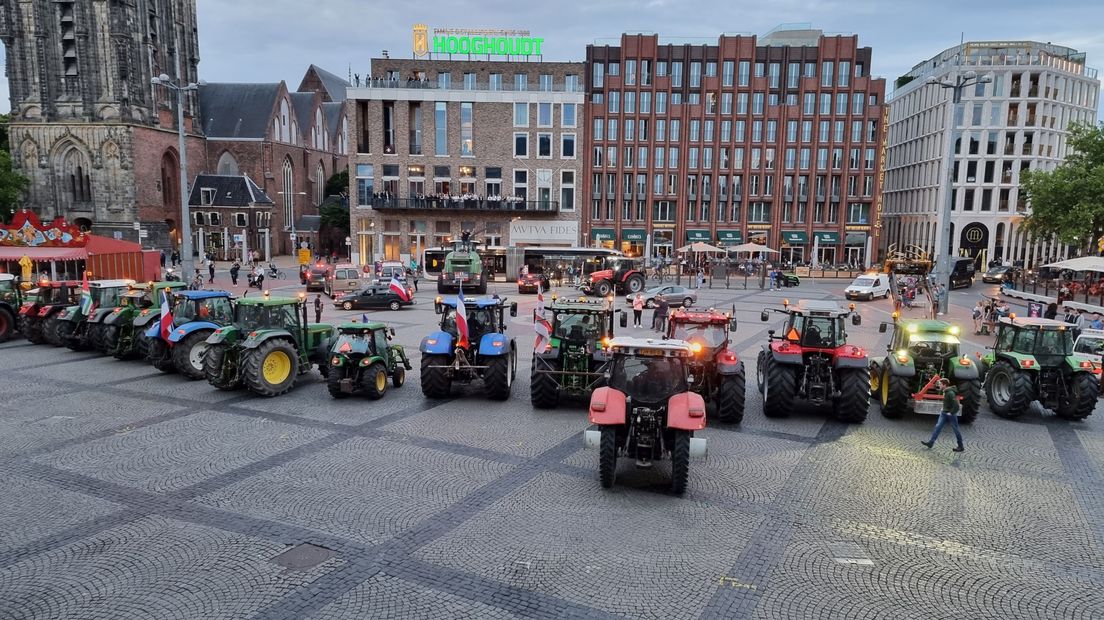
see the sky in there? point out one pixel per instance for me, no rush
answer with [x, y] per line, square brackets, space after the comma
[270, 40]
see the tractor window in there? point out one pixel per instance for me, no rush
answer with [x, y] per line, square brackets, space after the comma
[1054, 342]
[286, 316]
[1024, 342]
[648, 379]
[106, 297]
[922, 348]
[820, 333]
[709, 335]
[264, 317]
[7, 285]
[481, 320]
[379, 338]
[1091, 346]
[578, 327]
[1005, 338]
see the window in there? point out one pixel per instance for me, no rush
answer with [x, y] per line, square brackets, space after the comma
[844, 73]
[630, 72]
[444, 80]
[440, 134]
[793, 75]
[741, 103]
[568, 114]
[745, 73]
[757, 103]
[858, 213]
[841, 103]
[567, 146]
[364, 180]
[676, 73]
[727, 71]
[207, 196]
[825, 103]
[289, 193]
[521, 184]
[826, 73]
[661, 103]
[759, 213]
[760, 69]
[544, 115]
[726, 103]
[695, 74]
[544, 146]
[545, 82]
[774, 72]
[240, 220]
[673, 157]
[495, 81]
[646, 102]
[521, 145]
[466, 144]
[567, 190]
[597, 71]
[200, 218]
[469, 81]
[611, 129]
[521, 115]
[661, 130]
[614, 101]
[521, 81]
[630, 102]
[214, 218]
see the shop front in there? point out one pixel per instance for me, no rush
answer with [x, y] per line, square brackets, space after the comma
[854, 248]
[793, 246]
[603, 238]
[633, 241]
[827, 242]
[729, 238]
[698, 236]
[530, 233]
[663, 244]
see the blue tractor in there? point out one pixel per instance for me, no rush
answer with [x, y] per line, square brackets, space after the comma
[487, 354]
[195, 316]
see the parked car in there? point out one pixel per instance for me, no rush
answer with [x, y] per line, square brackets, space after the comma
[530, 282]
[996, 275]
[962, 273]
[373, 298]
[868, 286]
[391, 269]
[345, 279]
[318, 276]
[674, 294]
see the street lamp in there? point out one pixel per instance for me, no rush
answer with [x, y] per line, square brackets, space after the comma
[187, 266]
[942, 255]
[294, 237]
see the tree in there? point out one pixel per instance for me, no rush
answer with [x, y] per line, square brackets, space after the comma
[338, 184]
[12, 185]
[1068, 202]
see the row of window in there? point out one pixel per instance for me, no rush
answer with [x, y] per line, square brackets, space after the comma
[812, 103]
[544, 145]
[831, 73]
[469, 80]
[665, 211]
[703, 186]
[240, 219]
[670, 130]
[468, 185]
[702, 158]
[545, 115]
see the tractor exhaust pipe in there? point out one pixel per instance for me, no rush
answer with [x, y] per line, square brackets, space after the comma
[592, 439]
[698, 448]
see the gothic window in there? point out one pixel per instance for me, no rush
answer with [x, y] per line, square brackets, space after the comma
[319, 184]
[227, 165]
[285, 122]
[77, 185]
[68, 27]
[289, 194]
[319, 142]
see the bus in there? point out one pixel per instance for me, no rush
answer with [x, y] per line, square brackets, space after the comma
[505, 263]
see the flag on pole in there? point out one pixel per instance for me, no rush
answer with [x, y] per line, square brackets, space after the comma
[540, 299]
[461, 319]
[544, 333]
[398, 288]
[166, 316]
[86, 296]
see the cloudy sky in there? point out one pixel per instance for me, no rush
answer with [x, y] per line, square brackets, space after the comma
[269, 40]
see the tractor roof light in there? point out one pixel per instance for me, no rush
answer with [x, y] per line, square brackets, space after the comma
[302, 295]
[1012, 315]
[896, 315]
[267, 294]
[964, 360]
[912, 328]
[954, 330]
[785, 303]
[696, 347]
[851, 307]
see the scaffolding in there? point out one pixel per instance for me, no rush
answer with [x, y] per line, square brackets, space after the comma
[911, 265]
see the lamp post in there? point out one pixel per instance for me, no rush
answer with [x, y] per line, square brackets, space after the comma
[956, 84]
[293, 236]
[187, 265]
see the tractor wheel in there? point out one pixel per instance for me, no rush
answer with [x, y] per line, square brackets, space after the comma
[543, 391]
[333, 383]
[607, 456]
[440, 288]
[110, 339]
[189, 354]
[7, 325]
[781, 388]
[32, 331]
[634, 283]
[63, 332]
[893, 395]
[730, 398]
[49, 332]
[160, 355]
[1009, 391]
[398, 377]
[271, 368]
[854, 398]
[498, 378]
[970, 391]
[1084, 388]
[603, 288]
[875, 379]
[97, 337]
[71, 340]
[212, 367]
[141, 343]
[435, 383]
[373, 381]
[680, 462]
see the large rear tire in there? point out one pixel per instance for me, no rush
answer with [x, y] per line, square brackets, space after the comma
[970, 391]
[7, 325]
[67, 331]
[189, 354]
[780, 388]
[1009, 391]
[49, 332]
[271, 368]
[212, 368]
[607, 456]
[141, 343]
[33, 331]
[602, 288]
[893, 395]
[730, 398]
[435, 383]
[543, 391]
[333, 382]
[680, 462]
[63, 332]
[1084, 389]
[854, 399]
[110, 339]
[160, 355]
[498, 378]
[373, 381]
[634, 283]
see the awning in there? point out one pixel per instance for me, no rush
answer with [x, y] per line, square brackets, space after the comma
[794, 237]
[827, 237]
[698, 235]
[10, 252]
[602, 234]
[730, 237]
[855, 238]
[636, 235]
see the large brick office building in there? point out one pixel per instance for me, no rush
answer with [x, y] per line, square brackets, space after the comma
[772, 139]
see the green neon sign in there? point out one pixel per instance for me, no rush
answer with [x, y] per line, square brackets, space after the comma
[502, 46]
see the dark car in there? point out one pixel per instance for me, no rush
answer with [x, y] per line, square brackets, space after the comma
[372, 298]
[529, 282]
[996, 275]
[317, 277]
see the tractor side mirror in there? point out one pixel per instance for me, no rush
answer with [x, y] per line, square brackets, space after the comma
[624, 320]
[882, 328]
[438, 309]
[764, 316]
[856, 319]
[513, 308]
[391, 331]
[733, 324]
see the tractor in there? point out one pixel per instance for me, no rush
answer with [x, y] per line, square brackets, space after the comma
[574, 359]
[362, 359]
[81, 327]
[812, 361]
[487, 353]
[921, 353]
[1033, 360]
[11, 298]
[619, 274]
[267, 346]
[463, 267]
[648, 411]
[717, 372]
[50, 299]
[124, 328]
[195, 316]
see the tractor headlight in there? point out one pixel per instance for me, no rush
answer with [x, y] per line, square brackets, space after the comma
[954, 330]
[902, 356]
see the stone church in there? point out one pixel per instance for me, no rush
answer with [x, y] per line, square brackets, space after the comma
[99, 143]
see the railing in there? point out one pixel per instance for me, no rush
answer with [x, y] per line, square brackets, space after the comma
[473, 204]
[460, 85]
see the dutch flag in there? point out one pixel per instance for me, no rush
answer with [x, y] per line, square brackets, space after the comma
[461, 319]
[166, 316]
[400, 290]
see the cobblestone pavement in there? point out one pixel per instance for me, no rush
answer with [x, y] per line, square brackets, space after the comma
[132, 494]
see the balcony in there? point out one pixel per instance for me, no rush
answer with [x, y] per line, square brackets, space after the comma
[455, 203]
[460, 85]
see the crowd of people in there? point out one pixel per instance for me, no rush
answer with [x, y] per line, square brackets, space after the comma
[454, 201]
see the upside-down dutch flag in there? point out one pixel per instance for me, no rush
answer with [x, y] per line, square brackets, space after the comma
[85, 296]
[461, 319]
[166, 316]
[544, 333]
[400, 290]
[540, 299]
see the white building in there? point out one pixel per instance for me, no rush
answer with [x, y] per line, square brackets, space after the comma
[1016, 122]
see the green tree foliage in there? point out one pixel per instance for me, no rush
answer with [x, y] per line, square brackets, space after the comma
[12, 184]
[1068, 202]
[338, 184]
[335, 215]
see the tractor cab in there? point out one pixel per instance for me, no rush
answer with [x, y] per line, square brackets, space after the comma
[362, 339]
[207, 306]
[1048, 341]
[649, 372]
[582, 320]
[707, 328]
[485, 315]
[815, 324]
[8, 287]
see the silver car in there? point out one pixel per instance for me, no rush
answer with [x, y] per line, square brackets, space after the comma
[675, 295]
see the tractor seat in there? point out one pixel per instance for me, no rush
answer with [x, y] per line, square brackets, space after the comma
[576, 333]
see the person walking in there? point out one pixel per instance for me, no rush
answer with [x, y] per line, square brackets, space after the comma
[940, 295]
[949, 412]
[638, 309]
[413, 275]
[977, 314]
[259, 276]
[211, 270]
[318, 308]
[660, 316]
[701, 278]
[234, 270]
[162, 259]
[175, 258]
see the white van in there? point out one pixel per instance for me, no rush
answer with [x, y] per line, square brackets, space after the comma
[868, 286]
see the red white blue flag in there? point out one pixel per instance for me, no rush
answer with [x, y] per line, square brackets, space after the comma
[400, 290]
[461, 319]
[166, 316]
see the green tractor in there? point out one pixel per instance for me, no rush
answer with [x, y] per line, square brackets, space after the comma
[921, 353]
[81, 327]
[575, 359]
[11, 299]
[124, 329]
[1033, 360]
[268, 345]
[362, 360]
[463, 268]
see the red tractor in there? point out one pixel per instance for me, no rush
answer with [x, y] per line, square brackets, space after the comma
[812, 361]
[716, 372]
[619, 275]
[647, 411]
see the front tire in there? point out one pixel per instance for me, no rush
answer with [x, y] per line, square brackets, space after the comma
[603, 288]
[499, 379]
[212, 368]
[435, 383]
[854, 399]
[971, 400]
[189, 354]
[780, 388]
[398, 378]
[1009, 391]
[607, 456]
[893, 395]
[7, 325]
[634, 283]
[160, 355]
[271, 368]
[373, 381]
[333, 383]
[680, 462]
[543, 391]
[730, 398]
[1083, 392]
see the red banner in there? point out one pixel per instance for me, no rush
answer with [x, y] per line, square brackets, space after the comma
[26, 230]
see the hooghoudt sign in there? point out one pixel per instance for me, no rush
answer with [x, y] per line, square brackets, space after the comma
[535, 231]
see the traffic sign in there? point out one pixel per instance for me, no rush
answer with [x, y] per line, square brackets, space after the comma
[304, 257]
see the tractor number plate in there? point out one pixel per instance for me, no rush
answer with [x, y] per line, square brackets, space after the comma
[655, 352]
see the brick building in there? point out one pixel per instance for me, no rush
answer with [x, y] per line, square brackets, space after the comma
[227, 207]
[443, 146]
[773, 139]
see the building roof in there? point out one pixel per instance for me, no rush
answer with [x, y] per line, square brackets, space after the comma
[308, 223]
[230, 191]
[303, 104]
[237, 110]
[334, 85]
[332, 112]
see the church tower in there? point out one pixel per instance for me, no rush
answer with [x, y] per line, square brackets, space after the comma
[97, 140]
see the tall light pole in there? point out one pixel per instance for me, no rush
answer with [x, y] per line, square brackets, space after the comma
[943, 257]
[187, 266]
